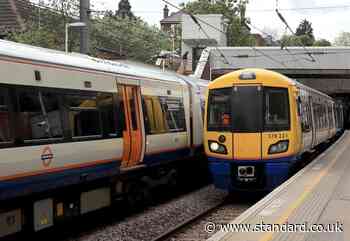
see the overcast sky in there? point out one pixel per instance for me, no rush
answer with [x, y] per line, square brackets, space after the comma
[327, 22]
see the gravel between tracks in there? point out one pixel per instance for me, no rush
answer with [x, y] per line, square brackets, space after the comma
[224, 214]
[156, 220]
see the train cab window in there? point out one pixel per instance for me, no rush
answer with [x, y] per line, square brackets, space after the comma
[276, 109]
[247, 109]
[84, 117]
[5, 133]
[219, 112]
[39, 116]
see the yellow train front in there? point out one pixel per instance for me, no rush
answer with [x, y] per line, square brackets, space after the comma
[252, 132]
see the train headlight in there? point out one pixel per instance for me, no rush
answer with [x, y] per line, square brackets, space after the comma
[279, 147]
[217, 148]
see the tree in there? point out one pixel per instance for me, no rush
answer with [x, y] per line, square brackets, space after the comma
[305, 28]
[238, 33]
[47, 26]
[134, 37]
[293, 40]
[343, 39]
[322, 42]
[305, 33]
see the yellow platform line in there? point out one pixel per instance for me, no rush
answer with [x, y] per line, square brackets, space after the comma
[305, 194]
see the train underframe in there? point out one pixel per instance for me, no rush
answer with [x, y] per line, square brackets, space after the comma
[130, 188]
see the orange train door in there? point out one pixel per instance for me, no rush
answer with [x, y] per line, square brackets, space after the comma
[132, 134]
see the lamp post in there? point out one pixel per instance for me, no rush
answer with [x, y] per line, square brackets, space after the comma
[72, 25]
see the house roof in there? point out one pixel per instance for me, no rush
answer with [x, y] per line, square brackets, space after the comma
[174, 18]
[13, 13]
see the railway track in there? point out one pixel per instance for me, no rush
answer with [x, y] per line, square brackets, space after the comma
[194, 229]
[183, 218]
[156, 221]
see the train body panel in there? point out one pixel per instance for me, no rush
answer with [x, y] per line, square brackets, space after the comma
[69, 121]
[21, 164]
[258, 123]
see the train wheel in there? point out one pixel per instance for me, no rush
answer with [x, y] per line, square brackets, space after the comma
[138, 195]
[173, 181]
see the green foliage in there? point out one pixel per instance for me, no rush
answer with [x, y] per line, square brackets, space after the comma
[343, 39]
[47, 27]
[305, 34]
[293, 40]
[237, 32]
[135, 38]
[322, 43]
[42, 37]
[305, 28]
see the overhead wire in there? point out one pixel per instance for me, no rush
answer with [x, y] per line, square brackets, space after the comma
[312, 59]
[214, 27]
[197, 22]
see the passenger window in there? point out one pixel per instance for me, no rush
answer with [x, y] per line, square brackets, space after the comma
[5, 133]
[153, 114]
[163, 114]
[173, 110]
[84, 117]
[51, 110]
[108, 113]
[39, 116]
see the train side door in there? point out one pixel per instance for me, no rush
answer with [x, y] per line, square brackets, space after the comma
[306, 120]
[313, 121]
[133, 134]
[247, 122]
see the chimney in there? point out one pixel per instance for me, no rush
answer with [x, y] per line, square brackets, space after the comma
[166, 11]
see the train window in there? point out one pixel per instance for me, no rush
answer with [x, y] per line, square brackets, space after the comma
[202, 103]
[276, 109]
[84, 117]
[173, 110]
[163, 114]
[39, 116]
[133, 103]
[153, 115]
[330, 117]
[108, 114]
[305, 116]
[247, 109]
[219, 112]
[5, 134]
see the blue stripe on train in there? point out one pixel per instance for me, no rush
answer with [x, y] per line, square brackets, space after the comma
[275, 172]
[164, 157]
[44, 182]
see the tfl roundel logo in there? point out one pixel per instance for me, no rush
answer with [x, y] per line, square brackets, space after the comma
[47, 156]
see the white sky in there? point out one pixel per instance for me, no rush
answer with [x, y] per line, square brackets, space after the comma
[327, 23]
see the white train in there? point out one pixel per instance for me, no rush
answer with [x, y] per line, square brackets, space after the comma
[77, 132]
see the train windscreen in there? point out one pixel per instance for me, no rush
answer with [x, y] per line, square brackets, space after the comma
[248, 109]
[219, 112]
[276, 109]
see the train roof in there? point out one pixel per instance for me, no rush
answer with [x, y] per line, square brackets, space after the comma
[75, 60]
[263, 76]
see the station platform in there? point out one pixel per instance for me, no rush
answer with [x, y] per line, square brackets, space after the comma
[313, 205]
